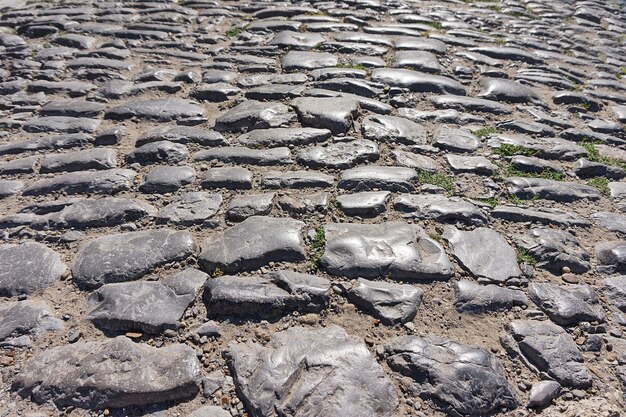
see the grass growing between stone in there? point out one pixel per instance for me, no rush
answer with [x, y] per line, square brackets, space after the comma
[485, 132]
[594, 154]
[234, 31]
[507, 149]
[508, 170]
[601, 183]
[436, 178]
[524, 257]
[316, 249]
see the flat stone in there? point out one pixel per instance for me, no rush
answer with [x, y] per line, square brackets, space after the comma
[340, 155]
[72, 108]
[97, 158]
[108, 181]
[391, 303]
[585, 168]
[232, 178]
[566, 305]
[501, 89]
[147, 307]
[611, 221]
[244, 206]
[334, 114]
[551, 349]
[343, 362]
[107, 212]
[253, 243]
[243, 155]
[542, 393]
[28, 267]
[280, 137]
[251, 114]
[128, 256]
[112, 373]
[474, 164]
[28, 317]
[562, 191]
[611, 256]
[508, 53]
[555, 249]
[61, 124]
[157, 152]
[10, 187]
[543, 215]
[304, 61]
[161, 110]
[297, 179]
[266, 296]
[417, 81]
[392, 129]
[19, 166]
[455, 140]
[209, 411]
[476, 298]
[365, 204]
[394, 249]
[440, 208]
[484, 253]
[55, 142]
[299, 204]
[372, 177]
[615, 289]
[461, 379]
[181, 134]
[414, 160]
[167, 179]
[417, 60]
[190, 208]
[296, 40]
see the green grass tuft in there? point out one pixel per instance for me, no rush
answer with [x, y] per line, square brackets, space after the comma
[506, 149]
[594, 154]
[524, 257]
[485, 132]
[601, 183]
[508, 170]
[316, 250]
[438, 179]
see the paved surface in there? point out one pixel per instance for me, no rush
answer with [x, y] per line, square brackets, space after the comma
[344, 208]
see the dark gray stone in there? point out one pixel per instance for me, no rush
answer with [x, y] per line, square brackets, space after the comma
[97, 158]
[365, 204]
[26, 317]
[242, 155]
[566, 305]
[401, 251]
[190, 208]
[128, 256]
[340, 154]
[244, 206]
[334, 114]
[555, 249]
[611, 256]
[373, 177]
[253, 243]
[156, 152]
[112, 373]
[500, 89]
[440, 208]
[342, 362]
[283, 137]
[107, 211]
[455, 140]
[393, 129]
[303, 61]
[417, 81]
[232, 178]
[461, 379]
[167, 179]
[162, 110]
[28, 267]
[476, 298]
[297, 179]
[615, 289]
[108, 181]
[252, 114]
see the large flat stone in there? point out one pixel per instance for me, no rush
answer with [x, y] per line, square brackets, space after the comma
[162, 110]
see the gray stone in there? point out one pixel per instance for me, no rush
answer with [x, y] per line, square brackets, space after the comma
[181, 134]
[108, 181]
[190, 208]
[304, 203]
[242, 155]
[440, 208]
[484, 253]
[476, 298]
[334, 114]
[501, 89]
[584, 168]
[372, 177]
[72, 108]
[393, 249]
[615, 289]
[303, 61]
[543, 215]
[26, 317]
[10, 187]
[253, 243]
[393, 129]
[267, 296]
[244, 206]
[417, 60]
[365, 204]
[19, 166]
[550, 189]
[340, 154]
[551, 349]
[555, 249]
[232, 178]
[252, 114]
[566, 305]
[28, 267]
[474, 164]
[414, 160]
[209, 411]
[283, 137]
[128, 256]
[167, 179]
[611, 256]
[461, 379]
[112, 373]
[162, 110]
[455, 140]
[107, 211]
[389, 302]
[149, 307]
[61, 124]
[156, 152]
[274, 379]
[297, 179]
[542, 393]
[97, 158]
[469, 104]
[417, 81]
[611, 221]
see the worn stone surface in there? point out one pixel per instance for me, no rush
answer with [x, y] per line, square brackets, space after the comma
[111, 373]
[566, 305]
[476, 298]
[464, 379]
[26, 318]
[352, 380]
[128, 256]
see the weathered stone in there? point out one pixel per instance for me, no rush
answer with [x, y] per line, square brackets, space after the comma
[455, 140]
[476, 298]
[97, 158]
[462, 379]
[566, 305]
[500, 89]
[111, 373]
[389, 302]
[253, 114]
[372, 177]
[283, 137]
[334, 114]
[28, 267]
[297, 179]
[190, 208]
[232, 178]
[128, 256]
[615, 289]
[242, 155]
[26, 318]
[365, 204]
[166, 179]
[550, 349]
[611, 221]
[543, 215]
[542, 393]
[155, 152]
[253, 243]
[550, 189]
[417, 81]
[555, 249]
[340, 155]
[147, 306]
[440, 208]
[10, 187]
[244, 206]
[107, 211]
[396, 249]
[484, 253]
[108, 181]
[611, 256]
[304, 203]
[474, 164]
[161, 110]
[299, 61]
[393, 129]
[353, 383]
